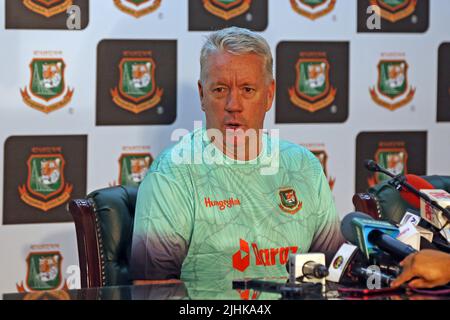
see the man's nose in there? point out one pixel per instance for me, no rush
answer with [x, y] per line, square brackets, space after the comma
[234, 103]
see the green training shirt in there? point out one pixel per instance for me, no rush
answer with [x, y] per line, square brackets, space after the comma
[203, 216]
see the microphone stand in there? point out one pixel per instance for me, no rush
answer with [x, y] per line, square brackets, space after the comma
[399, 181]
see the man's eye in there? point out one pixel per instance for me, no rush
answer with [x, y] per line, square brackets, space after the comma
[249, 89]
[219, 90]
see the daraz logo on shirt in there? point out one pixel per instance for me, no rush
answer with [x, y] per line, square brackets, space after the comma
[263, 257]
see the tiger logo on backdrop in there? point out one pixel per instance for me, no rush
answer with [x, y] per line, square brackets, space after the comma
[312, 90]
[133, 167]
[318, 149]
[227, 9]
[393, 90]
[47, 90]
[45, 188]
[395, 10]
[391, 155]
[313, 9]
[134, 164]
[48, 8]
[137, 90]
[44, 270]
[137, 8]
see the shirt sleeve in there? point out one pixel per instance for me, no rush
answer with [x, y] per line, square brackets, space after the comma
[327, 237]
[162, 227]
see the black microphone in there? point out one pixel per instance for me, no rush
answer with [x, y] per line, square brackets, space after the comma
[371, 165]
[394, 247]
[349, 267]
[401, 183]
[367, 233]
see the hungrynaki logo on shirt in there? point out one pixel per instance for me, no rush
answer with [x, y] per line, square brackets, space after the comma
[243, 258]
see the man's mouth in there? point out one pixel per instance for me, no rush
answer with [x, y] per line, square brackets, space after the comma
[232, 125]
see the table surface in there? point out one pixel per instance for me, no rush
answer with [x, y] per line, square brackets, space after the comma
[208, 291]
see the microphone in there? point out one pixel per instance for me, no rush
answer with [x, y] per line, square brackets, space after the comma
[349, 266]
[371, 236]
[400, 182]
[371, 165]
[307, 267]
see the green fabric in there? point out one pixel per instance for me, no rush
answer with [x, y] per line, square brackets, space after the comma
[178, 227]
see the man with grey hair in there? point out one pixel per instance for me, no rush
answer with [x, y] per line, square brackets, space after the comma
[223, 219]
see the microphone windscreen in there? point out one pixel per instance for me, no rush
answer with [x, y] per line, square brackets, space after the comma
[347, 228]
[418, 183]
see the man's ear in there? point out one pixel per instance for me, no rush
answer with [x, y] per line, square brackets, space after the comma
[270, 95]
[200, 93]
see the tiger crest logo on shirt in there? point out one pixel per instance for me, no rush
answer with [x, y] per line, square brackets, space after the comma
[48, 8]
[137, 90]
[393, 90]
[47, 90]
[313, 9]
[395, 10]
[312, 90]
[44, 270]
[392, 156]
[288, 201]
[137, 8]
[227, 9]
[46, 187]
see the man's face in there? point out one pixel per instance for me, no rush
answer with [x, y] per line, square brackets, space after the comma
[235, 92]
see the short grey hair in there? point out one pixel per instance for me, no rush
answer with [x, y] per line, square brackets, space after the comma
[236, 41]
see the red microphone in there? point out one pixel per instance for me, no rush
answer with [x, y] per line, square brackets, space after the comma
[418, 183]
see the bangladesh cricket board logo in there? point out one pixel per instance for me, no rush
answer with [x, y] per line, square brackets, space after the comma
[393, 90]
[133, 167]
[312, 90]
[47, 86]
[393, 159]
[322, 156]
[313, 9]
[137, 90]
[46, 187]
[227, 9]
[289, 201]
[44, 272]
[395, 10]
[137, 8]
[48, 8]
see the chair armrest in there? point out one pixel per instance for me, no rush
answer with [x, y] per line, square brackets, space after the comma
[89, 255]
[367, 203]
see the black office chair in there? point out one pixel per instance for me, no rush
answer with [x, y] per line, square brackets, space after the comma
[104, 227]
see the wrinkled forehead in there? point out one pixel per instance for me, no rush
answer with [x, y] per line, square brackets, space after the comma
[222, 62]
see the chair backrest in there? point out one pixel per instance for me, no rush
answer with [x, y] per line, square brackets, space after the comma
[104, 227]
[383, 201]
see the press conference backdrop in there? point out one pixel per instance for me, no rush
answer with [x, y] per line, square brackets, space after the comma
[90, 98]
